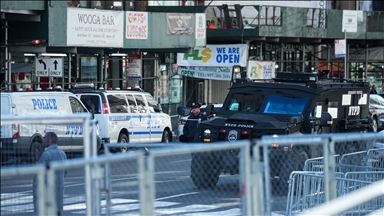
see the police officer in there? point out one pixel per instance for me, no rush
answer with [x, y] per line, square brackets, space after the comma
[191, 126]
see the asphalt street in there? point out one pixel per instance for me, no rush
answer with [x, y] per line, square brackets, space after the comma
[175, 193]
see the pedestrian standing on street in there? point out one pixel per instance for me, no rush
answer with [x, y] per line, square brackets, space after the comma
[373, 90]
[191, 126]
[52, 153]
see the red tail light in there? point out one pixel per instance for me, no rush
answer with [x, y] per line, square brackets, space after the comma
[105, 108]
[244, 132]
[223, 131]
[15, 130]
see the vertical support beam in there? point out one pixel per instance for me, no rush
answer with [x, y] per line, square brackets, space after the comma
[210, 90]
[206, 89]
[69, 70]
[147, 188]
[328, 58]
[329, 169]
[366, 63]
[9, 62]
[245, 180]
[8, 78]
[267, 180]
[257, 181]
[156, 74]
[41, 190]
[281, 66]
[108, 187]
[50, 195]
[303, 58]
[88, 176]
[346, 55]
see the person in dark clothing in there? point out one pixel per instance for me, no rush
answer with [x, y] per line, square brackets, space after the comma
[373, 90]
[191, 126]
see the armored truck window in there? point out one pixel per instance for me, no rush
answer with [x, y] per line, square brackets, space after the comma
[245, 102]
[277, 104]
[117, 103]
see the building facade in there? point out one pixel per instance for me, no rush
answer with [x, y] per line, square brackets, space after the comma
[121, 44]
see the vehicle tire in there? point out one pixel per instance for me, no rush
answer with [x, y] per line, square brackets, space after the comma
[165, 138]
[374, 124]
[122, 139]
[35, 151]
[205, 171]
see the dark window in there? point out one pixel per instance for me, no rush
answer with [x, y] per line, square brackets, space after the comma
[92, 103]
[278, 104]
[245, 102]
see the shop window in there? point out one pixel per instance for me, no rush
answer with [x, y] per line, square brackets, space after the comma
[88, 69]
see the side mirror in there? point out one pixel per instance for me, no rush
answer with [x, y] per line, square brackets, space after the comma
[158, 108]
[325, 119]
[183, 111]
[93, 113]
[296, 119]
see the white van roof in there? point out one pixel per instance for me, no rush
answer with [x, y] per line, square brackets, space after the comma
[51, 102]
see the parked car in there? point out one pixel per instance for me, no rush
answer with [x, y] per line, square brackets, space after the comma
[376, 111]
[183, 119]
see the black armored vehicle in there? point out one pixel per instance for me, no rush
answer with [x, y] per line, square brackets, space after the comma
[291, 103]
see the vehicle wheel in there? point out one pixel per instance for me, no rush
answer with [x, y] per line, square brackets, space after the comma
[204, 171]
[165, 138]
[374, 125]
[122, 139]
[35, 152]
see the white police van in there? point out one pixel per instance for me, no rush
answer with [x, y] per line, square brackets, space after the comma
[124, 116]
[19, 140]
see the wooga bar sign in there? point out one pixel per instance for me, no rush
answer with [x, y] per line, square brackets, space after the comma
[215, 55]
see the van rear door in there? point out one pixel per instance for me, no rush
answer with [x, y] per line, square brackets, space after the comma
[6, 109]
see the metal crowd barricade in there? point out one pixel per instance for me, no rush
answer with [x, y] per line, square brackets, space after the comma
[83, 119]
[260, 173]
[39, 171]
[317, 164]
[153, 152]
[307, 190]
